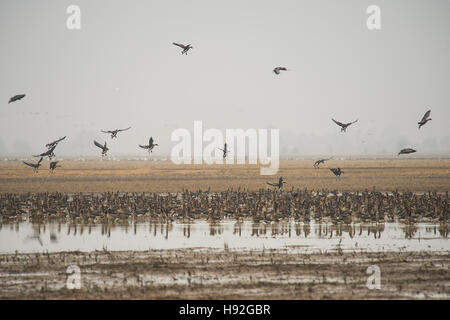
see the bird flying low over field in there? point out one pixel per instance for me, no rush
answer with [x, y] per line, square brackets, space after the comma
[150, 145]
[54, 143]
[337, 172]
[279, 185]
[16, 97]
[278, 69]
[35, 166]
[224, 150]
[53, 166]
[318, 162]
[104, 148]
[406, 151]
[49, 153]
[115, 132]
[343, 125]
[425, 118]
[185, 48]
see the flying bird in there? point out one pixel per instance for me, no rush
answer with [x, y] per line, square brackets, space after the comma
[425, 119]
[343, 125]
[49, 153]
[54, 143]
[224, 150]
[16, 97]
[115, 132]
[318, 162]
[53, 166]
[150, 145]
[278, 69]
[104, 148]
[35, 166]
[406, 151]
[337, 172]
[279, 185]
[185, 48]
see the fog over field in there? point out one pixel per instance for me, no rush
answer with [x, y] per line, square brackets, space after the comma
[121, 69]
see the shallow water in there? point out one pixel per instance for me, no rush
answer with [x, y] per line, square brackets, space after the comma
[26, 237]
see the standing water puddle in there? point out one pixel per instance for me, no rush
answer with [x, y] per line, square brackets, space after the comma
[313, 237]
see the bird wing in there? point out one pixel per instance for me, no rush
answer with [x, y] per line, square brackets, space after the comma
[40, 160]
[98, 144]
[150, 142]
[338, 123]
[143, 147]
[179, 45]
[28, 164]
[124, 129]
[426, 115]
[39, 155]
[354, 121]
[272, 184]
[109, 131]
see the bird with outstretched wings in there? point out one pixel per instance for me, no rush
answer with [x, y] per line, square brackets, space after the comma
[115, 132]
[103, 147]
[184, 47]
[49, 153]
[337, 172]
[277, 70]
[407, 151]
[343, 125]
[54, 143]
[318, 162]
[35, 166]
[425, 119]
[150, 145]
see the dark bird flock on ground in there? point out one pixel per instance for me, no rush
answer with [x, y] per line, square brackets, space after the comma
[277, 70]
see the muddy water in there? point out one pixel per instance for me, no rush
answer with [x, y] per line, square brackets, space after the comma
[312, 237]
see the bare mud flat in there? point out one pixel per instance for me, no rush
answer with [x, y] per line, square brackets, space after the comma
[164, 176]
[225, 274]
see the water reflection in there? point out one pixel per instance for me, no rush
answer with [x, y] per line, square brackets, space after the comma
[58, 236]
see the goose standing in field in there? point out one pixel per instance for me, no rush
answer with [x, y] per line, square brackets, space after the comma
[425, 118]
[406, 151]
[150, 145]
[16, 98]
[279, 185]
[49, 153]
[54, 143]
[104, 148]
[318, 162]
[35, 166]
[53, 166]
[277, 70]
[224, 150]
[185, 48]
[343, 125]
[337, 172]
[115, 132]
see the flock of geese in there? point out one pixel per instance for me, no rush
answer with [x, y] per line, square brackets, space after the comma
[241, 204]
[185, 48]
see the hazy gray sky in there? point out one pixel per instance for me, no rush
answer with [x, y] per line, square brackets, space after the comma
[122, 70]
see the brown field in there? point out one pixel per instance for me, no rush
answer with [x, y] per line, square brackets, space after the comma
[163, 176]
[212, 274]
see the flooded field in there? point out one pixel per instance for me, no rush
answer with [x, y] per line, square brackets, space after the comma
[295, 237]
[157, 231]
